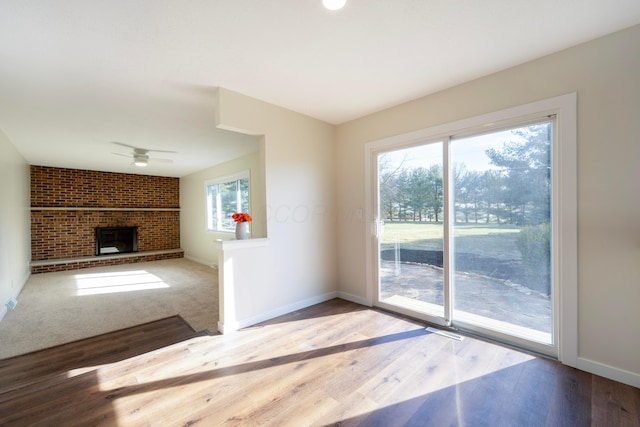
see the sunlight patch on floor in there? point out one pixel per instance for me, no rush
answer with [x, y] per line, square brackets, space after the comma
[115, 282]
[401, 382]
[404, 386]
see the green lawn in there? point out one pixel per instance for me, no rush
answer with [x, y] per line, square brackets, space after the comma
[486, 239]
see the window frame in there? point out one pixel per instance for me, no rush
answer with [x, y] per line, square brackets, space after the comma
[220, 181]
[564, 200]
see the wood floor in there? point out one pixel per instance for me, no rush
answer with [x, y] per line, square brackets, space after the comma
[333, 364]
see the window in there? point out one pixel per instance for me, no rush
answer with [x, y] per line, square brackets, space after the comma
[225, 196]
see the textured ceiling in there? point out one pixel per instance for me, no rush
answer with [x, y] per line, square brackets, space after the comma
[75, 75]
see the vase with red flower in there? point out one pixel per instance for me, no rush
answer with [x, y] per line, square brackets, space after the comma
[242, 220]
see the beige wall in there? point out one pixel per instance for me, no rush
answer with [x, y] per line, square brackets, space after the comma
[15, 241]
[196, 241]
[605, 73]
[296, 266]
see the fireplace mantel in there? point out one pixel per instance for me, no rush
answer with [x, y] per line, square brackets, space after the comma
[78, 208]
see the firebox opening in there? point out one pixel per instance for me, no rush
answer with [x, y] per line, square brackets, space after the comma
[116, 240]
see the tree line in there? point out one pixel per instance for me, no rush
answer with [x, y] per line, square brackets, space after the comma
[516, 191]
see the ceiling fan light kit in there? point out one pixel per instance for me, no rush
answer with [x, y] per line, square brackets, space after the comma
[140, 157]
[140, 160]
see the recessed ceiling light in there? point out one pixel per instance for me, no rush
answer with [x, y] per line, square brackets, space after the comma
[334, 4]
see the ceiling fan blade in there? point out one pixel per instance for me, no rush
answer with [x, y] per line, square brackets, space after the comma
[162, 151]
[141, 150]
[123, 155]
[122, 144]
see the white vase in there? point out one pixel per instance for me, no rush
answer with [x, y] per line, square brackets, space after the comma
[242, 230]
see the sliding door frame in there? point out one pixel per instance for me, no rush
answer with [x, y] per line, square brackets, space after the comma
[564, 203]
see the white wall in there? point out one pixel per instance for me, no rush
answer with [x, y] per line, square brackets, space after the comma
[297, 264]
[605, 73]
[15, 222]
[195, 239]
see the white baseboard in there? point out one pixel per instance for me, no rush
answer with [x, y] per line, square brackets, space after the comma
[354, 298]
[244, 323]
[613, 373]
[201, 261]
[25, 279]
[227, 328]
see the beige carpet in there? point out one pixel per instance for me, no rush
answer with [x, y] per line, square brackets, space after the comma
[54, 308]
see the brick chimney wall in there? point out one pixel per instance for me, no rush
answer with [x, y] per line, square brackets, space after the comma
[83, 200]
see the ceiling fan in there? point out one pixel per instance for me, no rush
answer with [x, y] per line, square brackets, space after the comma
[140, 156]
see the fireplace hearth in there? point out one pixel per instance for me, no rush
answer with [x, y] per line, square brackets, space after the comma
[116, 240]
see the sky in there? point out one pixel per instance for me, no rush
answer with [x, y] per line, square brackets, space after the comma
[470, 151]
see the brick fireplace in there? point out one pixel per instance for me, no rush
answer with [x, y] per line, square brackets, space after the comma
[67, 205]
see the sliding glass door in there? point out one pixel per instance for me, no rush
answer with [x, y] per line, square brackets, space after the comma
[411, 228]
[464, 231]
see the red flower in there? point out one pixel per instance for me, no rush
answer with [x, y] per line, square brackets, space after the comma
[241, 217]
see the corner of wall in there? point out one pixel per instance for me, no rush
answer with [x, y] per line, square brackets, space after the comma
[15, 224]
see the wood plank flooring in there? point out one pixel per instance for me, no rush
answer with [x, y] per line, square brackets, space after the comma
[17, 373]
[333, 364]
